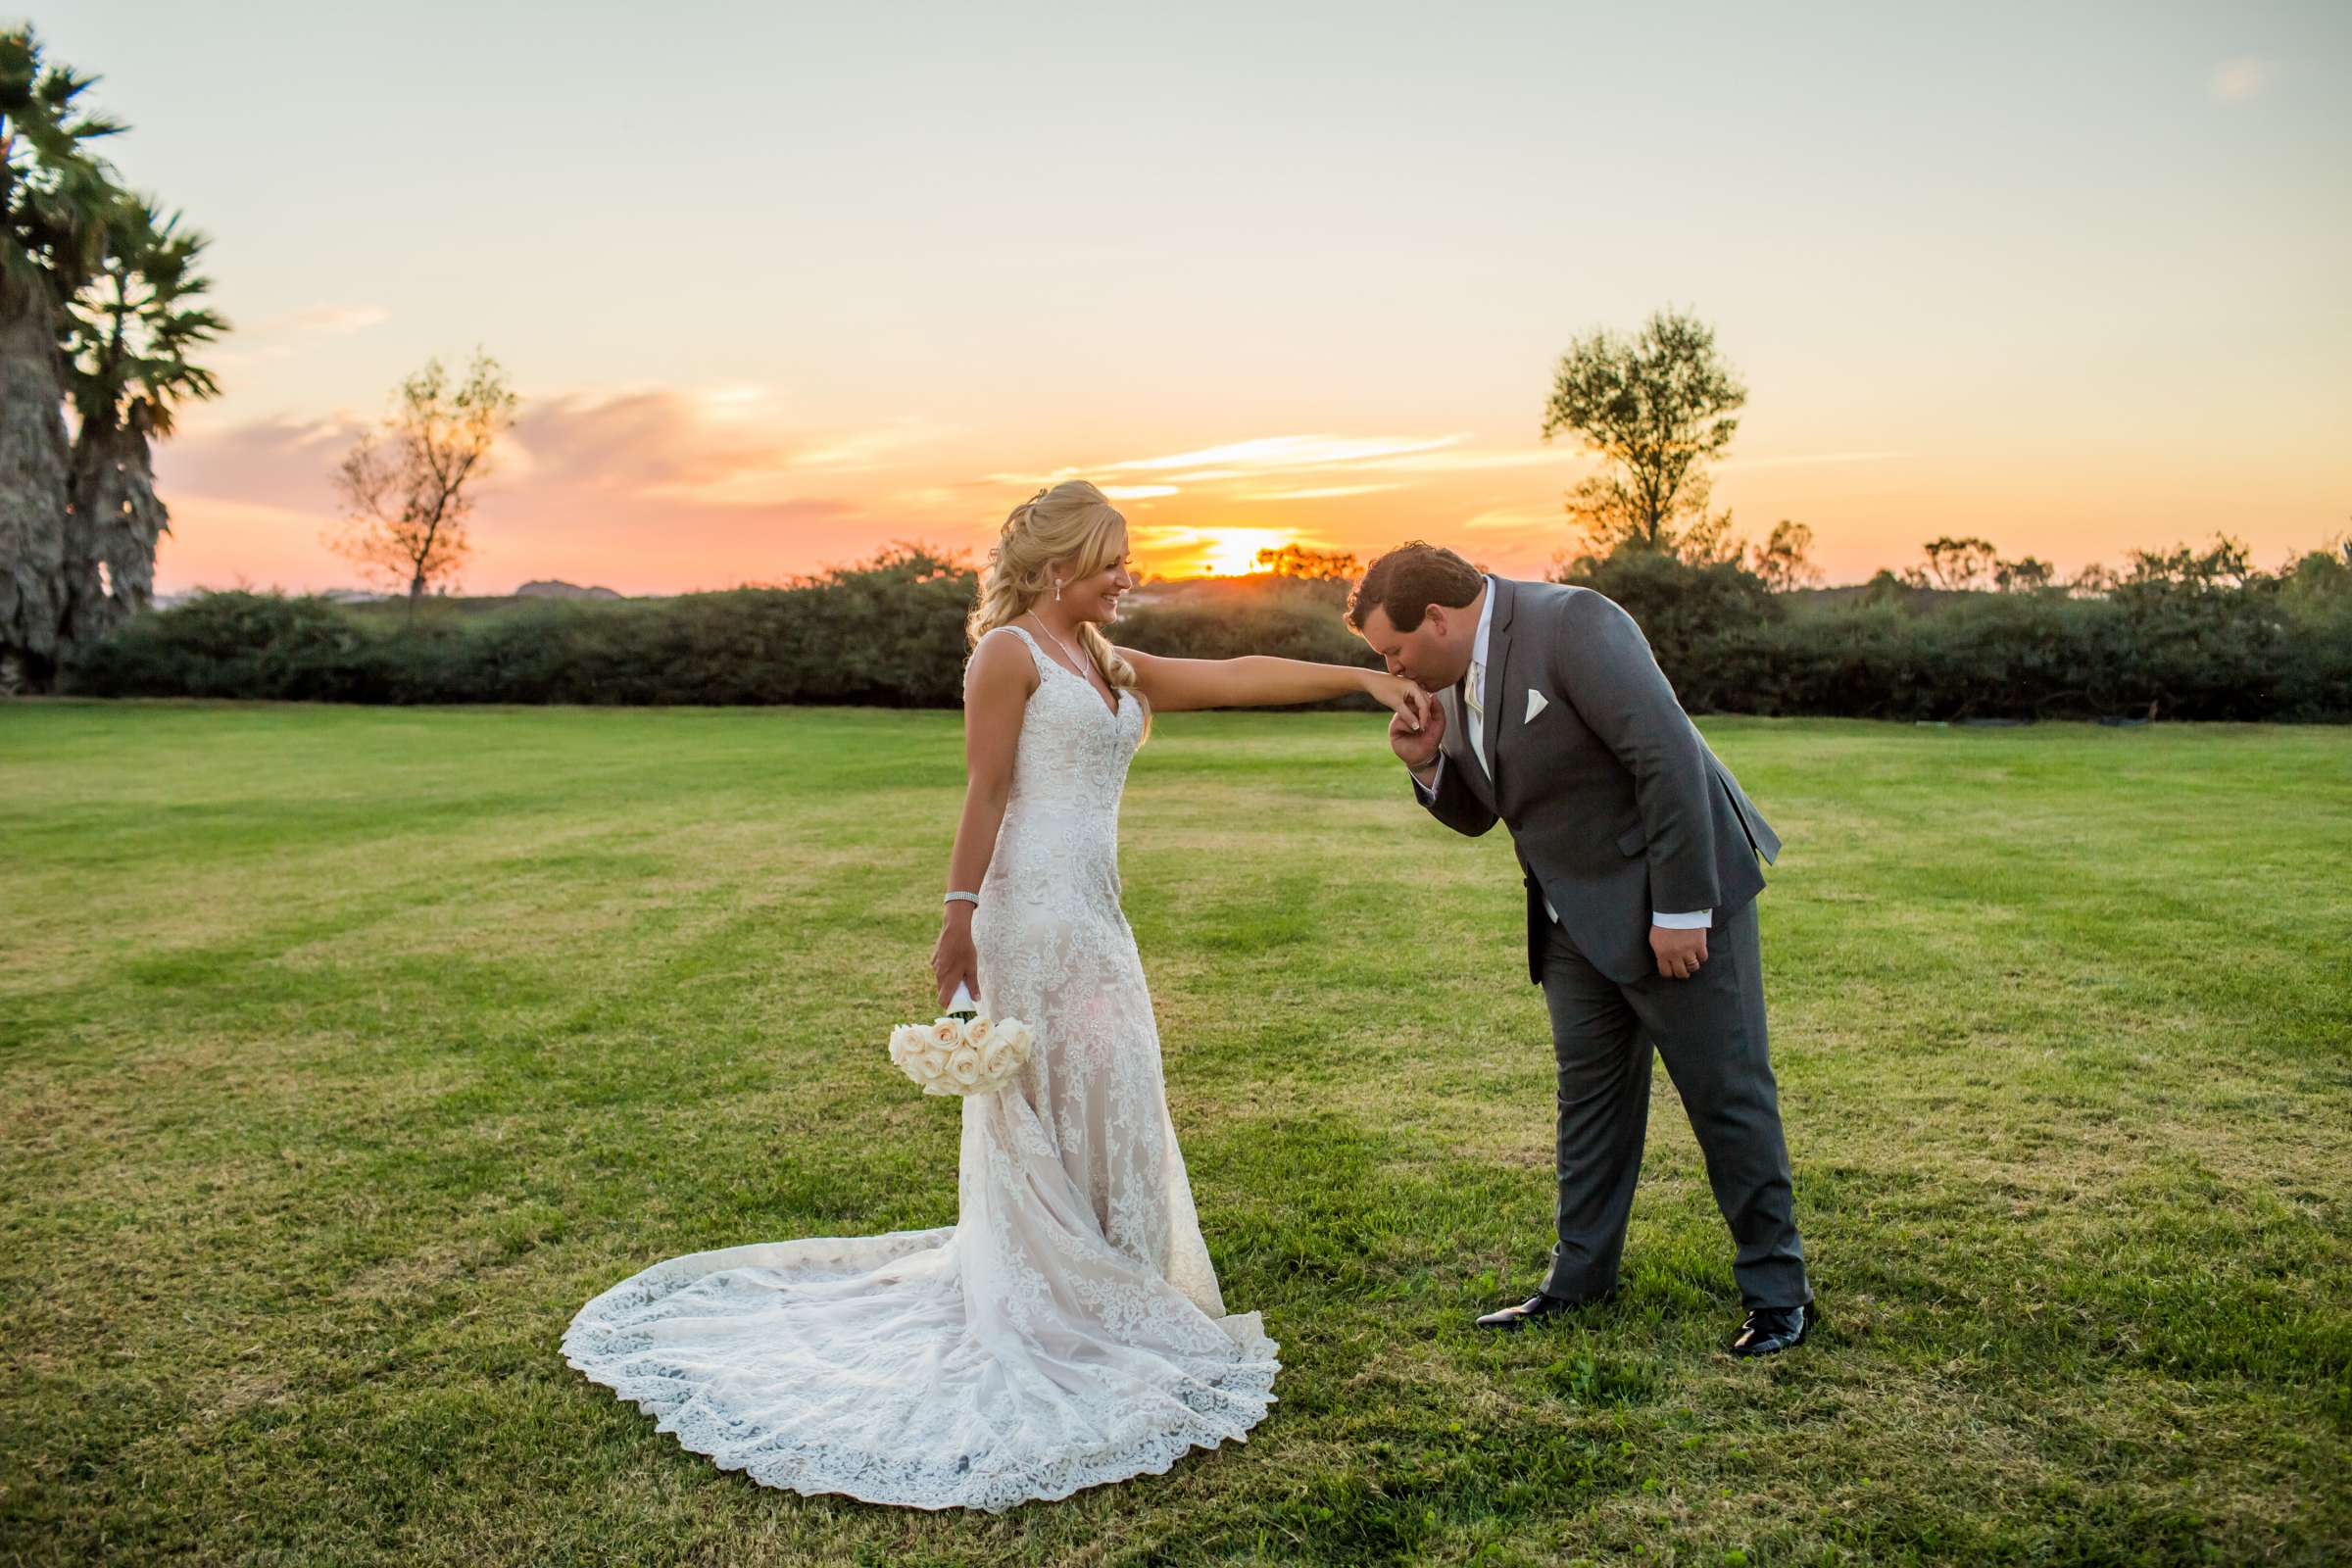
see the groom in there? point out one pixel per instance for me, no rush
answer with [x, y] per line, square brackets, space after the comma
[1640, 853]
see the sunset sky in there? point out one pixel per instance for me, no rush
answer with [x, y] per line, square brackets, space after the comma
[781, 284]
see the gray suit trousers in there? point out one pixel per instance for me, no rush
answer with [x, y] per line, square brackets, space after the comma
[1710, 1029]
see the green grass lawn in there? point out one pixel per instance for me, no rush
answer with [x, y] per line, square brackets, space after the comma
[345, 1053]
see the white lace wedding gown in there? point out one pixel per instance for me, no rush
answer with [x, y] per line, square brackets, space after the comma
[1066, 1331]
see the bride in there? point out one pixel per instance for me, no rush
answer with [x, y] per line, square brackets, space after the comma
[1068, 1329]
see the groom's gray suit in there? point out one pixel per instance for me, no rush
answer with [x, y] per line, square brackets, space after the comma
[1623, 816]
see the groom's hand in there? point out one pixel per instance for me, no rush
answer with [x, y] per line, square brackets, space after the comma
[1417, 749]
[1679, 953]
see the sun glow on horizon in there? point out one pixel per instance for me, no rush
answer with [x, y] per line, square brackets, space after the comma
[1233, 552]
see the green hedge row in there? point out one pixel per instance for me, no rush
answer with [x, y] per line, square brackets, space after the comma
[2271, 648]
[887, 635]
[891, 634]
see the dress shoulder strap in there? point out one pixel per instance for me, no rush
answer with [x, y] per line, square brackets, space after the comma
[1036, 654]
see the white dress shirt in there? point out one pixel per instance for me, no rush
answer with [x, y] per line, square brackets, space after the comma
[1474, 729]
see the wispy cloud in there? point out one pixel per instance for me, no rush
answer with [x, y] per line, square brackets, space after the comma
[1284, 469]
[1475, 462]
[324, 320]
[719, 447]
[1512, 518]
[1802, 460]
[1328, 492]
[1278, 454]
[277, 462]
[2235, 81]
[280, 337]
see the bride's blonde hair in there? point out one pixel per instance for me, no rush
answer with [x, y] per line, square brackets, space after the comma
[1073, 523]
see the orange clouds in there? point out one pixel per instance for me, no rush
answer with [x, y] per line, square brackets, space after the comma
[662, 490]
[649, 492]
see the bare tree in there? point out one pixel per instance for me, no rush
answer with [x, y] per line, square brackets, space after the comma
[409, 491]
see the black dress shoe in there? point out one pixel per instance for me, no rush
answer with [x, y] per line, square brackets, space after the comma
[1536, 1307]
[1770, 1330]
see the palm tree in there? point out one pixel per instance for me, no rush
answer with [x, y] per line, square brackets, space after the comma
[132, 333]
[55, 202]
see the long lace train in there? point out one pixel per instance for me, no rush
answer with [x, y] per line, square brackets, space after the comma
[1067, 1330]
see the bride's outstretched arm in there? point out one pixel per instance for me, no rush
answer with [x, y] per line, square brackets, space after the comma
[995, 689]
[1259, 681]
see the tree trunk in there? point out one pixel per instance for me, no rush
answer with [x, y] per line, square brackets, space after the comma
[32, 482]
[112, 530]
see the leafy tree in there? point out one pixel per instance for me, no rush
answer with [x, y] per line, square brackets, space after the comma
[1295, 560]
[408, 492]
[1656, 409]
[1681, 606]
[2095, 581]
[1954, 563]
[1889, 587]
[2321, 578]
[1786, 561]
[2029, 575]
[2226, 563]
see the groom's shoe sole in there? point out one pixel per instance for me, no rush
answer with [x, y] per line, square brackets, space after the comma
[1513, 1318]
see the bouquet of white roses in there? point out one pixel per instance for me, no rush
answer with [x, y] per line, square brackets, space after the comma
[966, 1053]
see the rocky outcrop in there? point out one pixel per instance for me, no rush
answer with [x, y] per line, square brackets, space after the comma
[555, 589]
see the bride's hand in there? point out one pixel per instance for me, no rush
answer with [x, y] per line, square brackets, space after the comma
[953, 959]
[1401, 697]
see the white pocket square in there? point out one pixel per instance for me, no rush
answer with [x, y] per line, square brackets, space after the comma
[1535, 704]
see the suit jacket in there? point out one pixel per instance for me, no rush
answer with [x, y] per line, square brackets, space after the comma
[1617, 804]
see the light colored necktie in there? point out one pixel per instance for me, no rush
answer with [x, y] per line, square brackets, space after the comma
[1474, 697]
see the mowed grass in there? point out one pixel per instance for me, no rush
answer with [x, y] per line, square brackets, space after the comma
[345, 1053]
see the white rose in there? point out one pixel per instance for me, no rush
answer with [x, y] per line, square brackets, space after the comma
[1018, 1038]
[964, 1066]
[976, 1028]
[995, 1057]
[947, 1034]
[929, 1063]
[904, 1040]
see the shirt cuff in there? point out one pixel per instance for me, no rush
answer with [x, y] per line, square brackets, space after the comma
[1429, 791]
[1696, 920]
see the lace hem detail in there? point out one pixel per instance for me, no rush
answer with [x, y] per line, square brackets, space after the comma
[899, 1403]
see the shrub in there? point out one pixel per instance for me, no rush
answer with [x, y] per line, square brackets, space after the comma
[2180, 646]
[889, 633]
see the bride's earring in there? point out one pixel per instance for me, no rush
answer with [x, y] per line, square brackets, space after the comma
[1057, 590]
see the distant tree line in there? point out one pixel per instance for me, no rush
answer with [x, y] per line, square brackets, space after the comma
[2185, 634]
[2188, 634]
[2191, 633]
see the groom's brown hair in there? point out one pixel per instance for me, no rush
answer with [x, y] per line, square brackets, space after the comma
[1410, 578]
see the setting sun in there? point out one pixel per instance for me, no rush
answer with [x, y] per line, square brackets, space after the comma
[1233, 552]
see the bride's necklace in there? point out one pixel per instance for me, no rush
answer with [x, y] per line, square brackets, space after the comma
[1079, 665]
